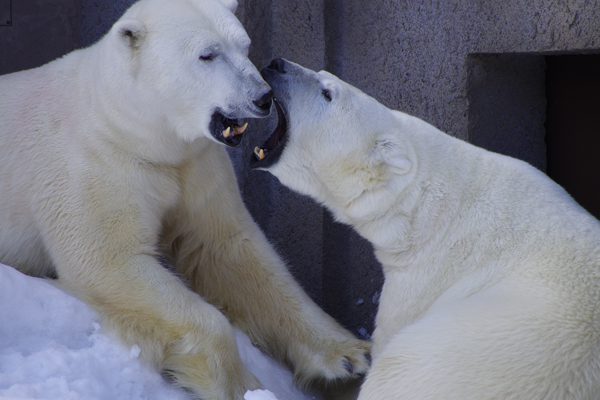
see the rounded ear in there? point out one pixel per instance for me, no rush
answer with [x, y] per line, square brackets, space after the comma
[130, 32]
[231, 4]
[392, 155]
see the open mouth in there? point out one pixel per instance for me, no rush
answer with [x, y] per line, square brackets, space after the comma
[267, 154]
[226, 130]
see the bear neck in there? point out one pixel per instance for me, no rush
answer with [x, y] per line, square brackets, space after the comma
[427, 207]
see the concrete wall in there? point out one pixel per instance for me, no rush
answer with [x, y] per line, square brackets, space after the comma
[5, 13]
[40, 31]
[97, 16]
[473, 68]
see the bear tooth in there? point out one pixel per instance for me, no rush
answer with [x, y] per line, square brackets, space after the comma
[261, 155]
[238, 130]
[226, 132]
[257, 151]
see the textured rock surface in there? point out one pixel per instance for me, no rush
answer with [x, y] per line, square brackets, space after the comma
[97, 16]
[40, 32]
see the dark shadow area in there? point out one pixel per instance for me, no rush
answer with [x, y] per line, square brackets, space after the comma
[507, 105]
[5, 13]
[573, 126]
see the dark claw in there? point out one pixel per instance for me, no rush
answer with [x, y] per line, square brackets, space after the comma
[348, 366]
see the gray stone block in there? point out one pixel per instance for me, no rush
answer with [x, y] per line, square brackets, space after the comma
[40, 31]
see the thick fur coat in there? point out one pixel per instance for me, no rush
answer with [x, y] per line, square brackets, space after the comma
[114, 179]
[492, 271]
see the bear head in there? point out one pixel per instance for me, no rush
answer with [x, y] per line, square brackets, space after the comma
[182, 66]
[334, 143]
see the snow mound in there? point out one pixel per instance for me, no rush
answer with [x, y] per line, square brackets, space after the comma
[52, 346]
[259, 395]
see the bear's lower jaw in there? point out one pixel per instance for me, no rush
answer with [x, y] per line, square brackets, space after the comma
[227, 130]
[268, 154]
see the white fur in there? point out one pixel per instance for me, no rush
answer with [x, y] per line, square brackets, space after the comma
[492, 271]
[107, 167]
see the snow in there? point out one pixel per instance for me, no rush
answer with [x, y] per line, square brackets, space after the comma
[52, 346]
[259, 395]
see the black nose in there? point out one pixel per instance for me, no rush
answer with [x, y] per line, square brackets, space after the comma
[278, 64]
[264, 103]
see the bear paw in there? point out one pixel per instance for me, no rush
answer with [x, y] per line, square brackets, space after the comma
[332, 360]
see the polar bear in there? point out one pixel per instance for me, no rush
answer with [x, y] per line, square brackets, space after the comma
[113, 179]
[492, 272]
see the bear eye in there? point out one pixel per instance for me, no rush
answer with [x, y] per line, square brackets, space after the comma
[207, 57]
[327, 94]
